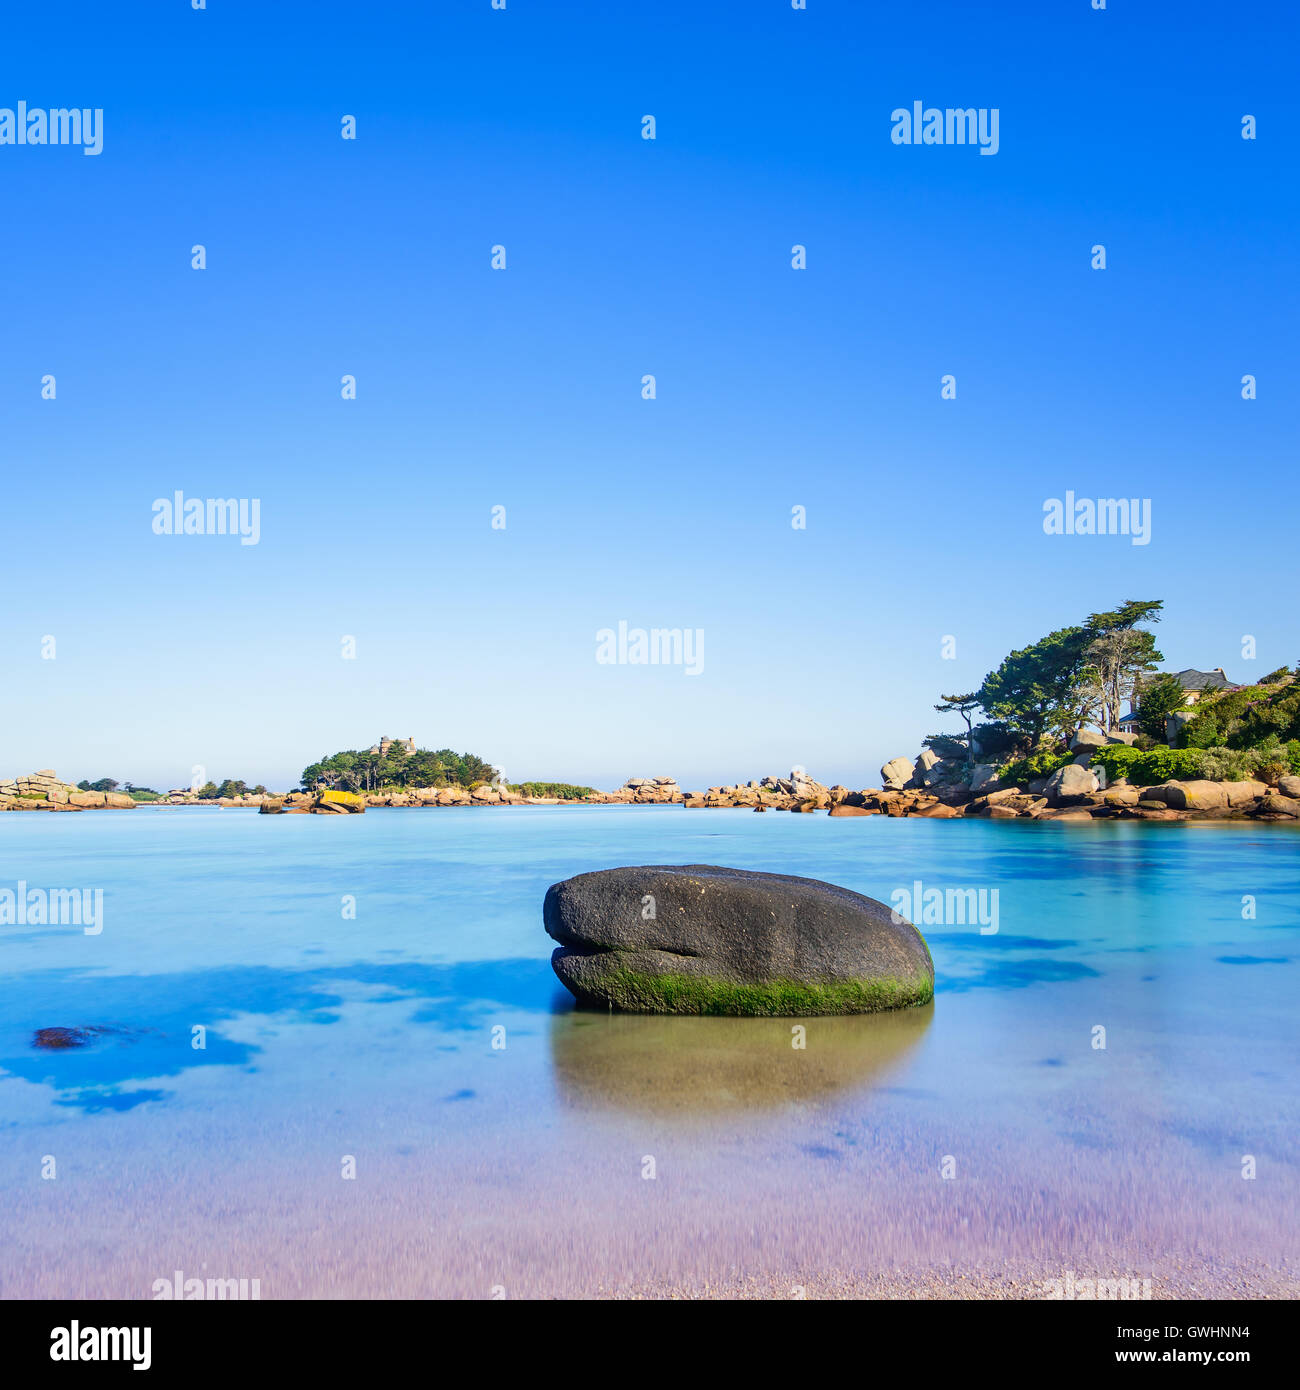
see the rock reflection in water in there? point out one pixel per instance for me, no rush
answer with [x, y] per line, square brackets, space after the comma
[686, 1066]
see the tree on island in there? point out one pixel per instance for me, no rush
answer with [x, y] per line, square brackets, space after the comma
[1156, 702]
[1120, 654]
[232, 786]
[964, 705]
[1040, 689]
[1051, 689]
[356, 771]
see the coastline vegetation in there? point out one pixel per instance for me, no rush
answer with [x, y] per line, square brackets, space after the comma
[108, 784]
[354, 770]
[210, 791]
[1252, 717]
[562, 791]
[1042, 696]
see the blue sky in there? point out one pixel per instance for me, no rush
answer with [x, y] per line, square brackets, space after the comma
[522, 388]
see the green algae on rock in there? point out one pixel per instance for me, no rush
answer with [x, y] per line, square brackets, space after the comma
[700, 939]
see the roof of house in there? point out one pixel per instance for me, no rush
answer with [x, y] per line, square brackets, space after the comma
[1192, 679]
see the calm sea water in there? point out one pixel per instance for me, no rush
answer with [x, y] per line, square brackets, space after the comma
[587, 1153]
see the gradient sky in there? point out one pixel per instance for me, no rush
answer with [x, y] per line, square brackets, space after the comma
[521, 388]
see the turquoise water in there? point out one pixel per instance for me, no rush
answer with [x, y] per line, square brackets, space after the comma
[523, 1167]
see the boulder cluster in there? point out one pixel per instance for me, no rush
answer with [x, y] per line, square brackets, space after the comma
[798, 792]
[325, 803]
[932, 787]
[642, 791]
[183, 796]
[486, 795]
[635, 791]
[43, 791]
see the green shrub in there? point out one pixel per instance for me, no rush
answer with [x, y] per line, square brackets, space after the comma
[1156, 702]
[1201, 731]
[1118, 760]
[1145, 768]
[564, 791]
[1275, 718]
[1231, 764]
[1273, 758]
[1245, 718]
[1269, 761]
[1030, 769]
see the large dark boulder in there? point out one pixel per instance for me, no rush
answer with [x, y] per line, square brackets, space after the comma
[698, 939]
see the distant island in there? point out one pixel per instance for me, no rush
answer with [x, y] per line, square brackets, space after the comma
[1078, 725]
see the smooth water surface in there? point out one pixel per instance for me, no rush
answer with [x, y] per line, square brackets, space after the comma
[588, 1153]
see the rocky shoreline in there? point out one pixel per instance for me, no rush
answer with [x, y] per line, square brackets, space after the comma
[42, 791]
[925, 787]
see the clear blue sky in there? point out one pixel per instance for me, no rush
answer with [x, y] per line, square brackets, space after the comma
[522, 388]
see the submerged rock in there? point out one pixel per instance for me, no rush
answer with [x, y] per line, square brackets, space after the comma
[56, 1039]
[699, 939]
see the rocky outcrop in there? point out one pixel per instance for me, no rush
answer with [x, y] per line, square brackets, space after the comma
[643, 791]
[798, 792]
[897, 773]
[1071, 784]
[700, 939]
[983, 778]
[1189, 796]
[321, 803]
[43, 791]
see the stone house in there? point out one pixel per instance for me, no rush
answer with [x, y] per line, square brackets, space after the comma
[1195, 683]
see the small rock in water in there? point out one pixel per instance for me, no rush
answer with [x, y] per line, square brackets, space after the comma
[699, 939]
[59, 1038]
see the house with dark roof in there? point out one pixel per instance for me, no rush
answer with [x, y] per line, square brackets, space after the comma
[1195, 683]
[385, 743]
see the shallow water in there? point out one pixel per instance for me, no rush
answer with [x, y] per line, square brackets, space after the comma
[525, 1168]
